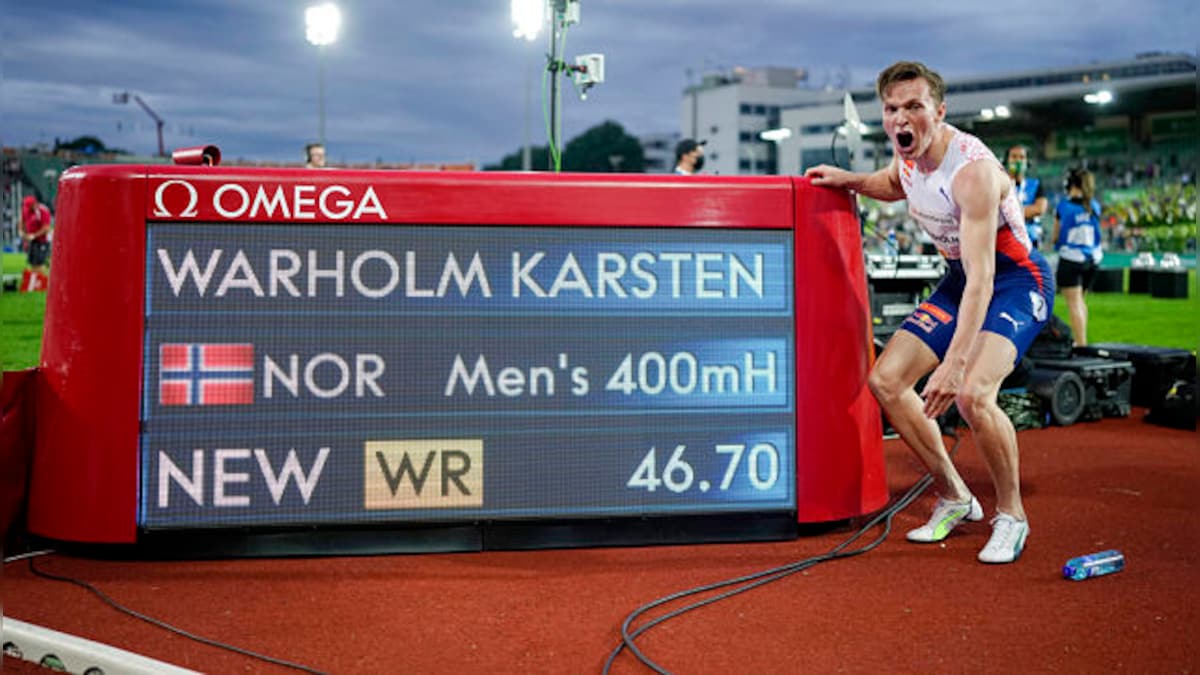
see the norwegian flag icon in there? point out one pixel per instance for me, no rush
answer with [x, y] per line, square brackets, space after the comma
[205, 374]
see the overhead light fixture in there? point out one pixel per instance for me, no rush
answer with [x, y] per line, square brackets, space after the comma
[776, 135]
[987, 113]
[845, 129]
[528, 17]
[1099, 98]
[321, 24]
[1003, 111]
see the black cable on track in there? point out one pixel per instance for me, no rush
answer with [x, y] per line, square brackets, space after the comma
[761, 578]
[164, 625]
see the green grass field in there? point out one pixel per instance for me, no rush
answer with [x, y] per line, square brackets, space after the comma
[1141, 319]
[12, 263]
[1114, 317]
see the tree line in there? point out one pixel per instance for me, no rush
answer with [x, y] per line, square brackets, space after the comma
[604, 148]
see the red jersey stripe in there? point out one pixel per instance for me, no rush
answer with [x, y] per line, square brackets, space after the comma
[1008, 245]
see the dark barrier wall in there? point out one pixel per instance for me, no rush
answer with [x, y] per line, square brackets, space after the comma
[266, 348]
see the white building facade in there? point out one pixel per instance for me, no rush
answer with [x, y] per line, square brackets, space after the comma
[1044, 108]
[728, 111]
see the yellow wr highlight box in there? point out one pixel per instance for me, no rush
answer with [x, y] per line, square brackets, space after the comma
[423, 474]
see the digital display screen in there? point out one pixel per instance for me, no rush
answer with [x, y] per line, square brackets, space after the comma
[345, 374]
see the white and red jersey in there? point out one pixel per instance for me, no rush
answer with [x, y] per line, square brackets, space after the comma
[931, 199]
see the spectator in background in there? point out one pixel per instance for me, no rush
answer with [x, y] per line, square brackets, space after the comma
[1077, 238]
[314, 156]
[35, 231]
[689, 156]
[1029, 192]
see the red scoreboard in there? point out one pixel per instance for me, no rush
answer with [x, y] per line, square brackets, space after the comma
[445, 361]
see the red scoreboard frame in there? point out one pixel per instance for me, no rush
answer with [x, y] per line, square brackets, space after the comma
[85, 477]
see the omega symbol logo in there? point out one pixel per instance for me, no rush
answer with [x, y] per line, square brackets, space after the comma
[189, 211]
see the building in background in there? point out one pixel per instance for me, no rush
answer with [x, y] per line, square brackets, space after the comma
[1121, 114]
[730, 110]
[1147, 119]
[658, 149]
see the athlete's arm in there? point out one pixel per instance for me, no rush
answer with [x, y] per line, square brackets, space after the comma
[26, 221]
[977, 189]
[1037, 209]
[43, 217]
[883, 184]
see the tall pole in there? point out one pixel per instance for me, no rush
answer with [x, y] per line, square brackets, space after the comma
[321, 29]
[124, 97]
[527, 151]
[528, 18]
[556, 21]
[321, 95]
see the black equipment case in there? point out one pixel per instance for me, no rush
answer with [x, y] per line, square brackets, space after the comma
[1157, 368]
[1105, 387]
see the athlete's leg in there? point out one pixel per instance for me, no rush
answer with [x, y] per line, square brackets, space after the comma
[990, 361]
[902, 363]
[1077, 310]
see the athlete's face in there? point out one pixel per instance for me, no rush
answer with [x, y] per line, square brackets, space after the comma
[911, 117]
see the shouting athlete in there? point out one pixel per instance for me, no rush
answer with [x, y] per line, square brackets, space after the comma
[983, 315]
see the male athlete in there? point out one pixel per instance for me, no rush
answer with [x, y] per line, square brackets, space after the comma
[993, 301]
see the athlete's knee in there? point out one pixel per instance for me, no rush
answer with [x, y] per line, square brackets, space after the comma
[885, 385]
[974, 400]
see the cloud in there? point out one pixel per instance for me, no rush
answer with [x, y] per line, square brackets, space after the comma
[432, 80]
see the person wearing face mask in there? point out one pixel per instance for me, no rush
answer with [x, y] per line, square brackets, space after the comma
[689, 156]
[1077, 223]
[997, 294]
[1029, 191]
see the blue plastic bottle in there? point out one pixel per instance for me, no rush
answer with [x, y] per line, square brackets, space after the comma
[1094, 565]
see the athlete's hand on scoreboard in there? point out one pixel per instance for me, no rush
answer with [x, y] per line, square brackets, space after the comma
[828, 176]
[941, 389]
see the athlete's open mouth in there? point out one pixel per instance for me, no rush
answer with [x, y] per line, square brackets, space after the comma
[904, 139]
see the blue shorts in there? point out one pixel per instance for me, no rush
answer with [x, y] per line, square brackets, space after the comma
[1022, 300]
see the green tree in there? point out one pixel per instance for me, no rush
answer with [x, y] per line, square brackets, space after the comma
[86, 144]
[605, 148]
[538, 155]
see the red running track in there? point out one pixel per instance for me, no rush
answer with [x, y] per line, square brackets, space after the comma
[1118, 483]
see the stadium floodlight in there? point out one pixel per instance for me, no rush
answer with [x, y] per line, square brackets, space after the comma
[1002, 111]
[987, 113]
[124, 97]
[776, 135]
[1099, 98]
[528, 17]
[321, 24]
